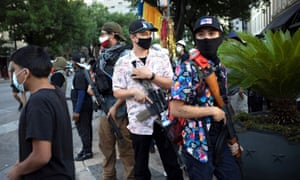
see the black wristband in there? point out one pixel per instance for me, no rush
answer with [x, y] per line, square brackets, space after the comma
[153, 76]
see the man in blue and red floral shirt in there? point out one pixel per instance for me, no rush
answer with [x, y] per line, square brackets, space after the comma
[193, 101]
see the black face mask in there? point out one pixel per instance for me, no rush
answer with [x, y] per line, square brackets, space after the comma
[145, 43]
[208, 48]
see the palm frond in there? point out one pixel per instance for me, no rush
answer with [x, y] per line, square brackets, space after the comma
[270, 65]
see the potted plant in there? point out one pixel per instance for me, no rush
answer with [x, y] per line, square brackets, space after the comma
[270, 66]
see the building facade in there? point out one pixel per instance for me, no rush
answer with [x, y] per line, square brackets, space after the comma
[262, 16]
[115, 6]
[237, 25]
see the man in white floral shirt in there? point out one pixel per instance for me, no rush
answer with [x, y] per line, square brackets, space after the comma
[145, 64]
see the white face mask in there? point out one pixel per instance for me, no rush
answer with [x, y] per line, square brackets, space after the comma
[19, 86]
[103, 38]
[178, 49]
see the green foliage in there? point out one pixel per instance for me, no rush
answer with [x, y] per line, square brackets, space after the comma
[61, 25]
[186, 12]
[270, 65]
[124, 22]
[100, 15]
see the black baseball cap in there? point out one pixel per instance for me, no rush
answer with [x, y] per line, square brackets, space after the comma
[140, 25]
[208, 21]
[76, 57]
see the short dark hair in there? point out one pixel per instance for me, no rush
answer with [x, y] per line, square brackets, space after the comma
[35, 58]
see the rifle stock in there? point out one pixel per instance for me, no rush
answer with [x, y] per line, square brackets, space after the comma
[101, 102]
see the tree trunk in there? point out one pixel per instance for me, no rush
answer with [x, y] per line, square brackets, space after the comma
[284, 111]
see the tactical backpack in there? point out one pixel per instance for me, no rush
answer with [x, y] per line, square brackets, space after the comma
[104, 68]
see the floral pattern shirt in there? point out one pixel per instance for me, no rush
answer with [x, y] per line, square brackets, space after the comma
[190, 88]
[158, 63]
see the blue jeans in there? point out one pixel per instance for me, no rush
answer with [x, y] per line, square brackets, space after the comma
[226, 169]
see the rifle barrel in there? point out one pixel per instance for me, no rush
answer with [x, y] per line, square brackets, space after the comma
[100, 101]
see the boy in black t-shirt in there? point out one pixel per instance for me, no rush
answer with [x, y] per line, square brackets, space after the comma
[45, 132]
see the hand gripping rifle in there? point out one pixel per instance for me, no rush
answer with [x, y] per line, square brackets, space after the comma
[158, 107]
[211, 80]
[101, 102]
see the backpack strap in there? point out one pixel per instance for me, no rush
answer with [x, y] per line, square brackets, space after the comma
[109, 57]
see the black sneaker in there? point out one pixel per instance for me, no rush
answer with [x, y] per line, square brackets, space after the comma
[80, 153]
[20, 106]
[84, 156]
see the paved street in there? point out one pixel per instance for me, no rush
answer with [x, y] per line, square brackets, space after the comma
[89, 169]
[8, 127]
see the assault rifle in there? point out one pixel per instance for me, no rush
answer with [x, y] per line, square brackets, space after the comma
[158, 107]
[211, 80]
[101, 102]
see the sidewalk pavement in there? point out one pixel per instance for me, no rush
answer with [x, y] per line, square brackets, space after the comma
[91, 169]
[2, 80]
